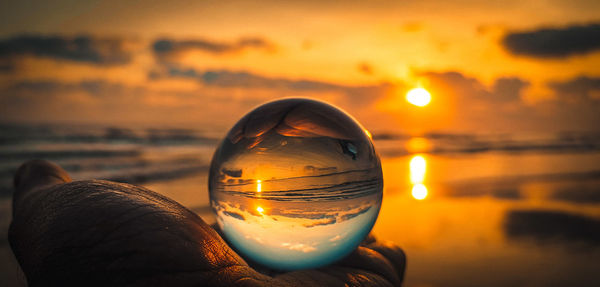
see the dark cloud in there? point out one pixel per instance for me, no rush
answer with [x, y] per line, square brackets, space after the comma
[234, 215]
[168, 47]
[500, 107]
[551, 226]
[37, 86]
[458, 82]
[509, 89]
[467, 88]
[113, 103]
[554, 42]
[225, 78]
[92, 87]
[581, 88]
[328, 221]
[365, 68]
[47, 100]
[84, 49]
[242, 79]
[349, 216]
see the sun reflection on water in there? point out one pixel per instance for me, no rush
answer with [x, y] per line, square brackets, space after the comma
[419, 191]
[418, 168]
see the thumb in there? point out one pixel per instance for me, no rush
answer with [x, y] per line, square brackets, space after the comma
[33, 176]
[104, 233]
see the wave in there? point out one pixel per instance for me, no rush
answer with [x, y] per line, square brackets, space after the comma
[118, 154]
[441, 143]
[142, 155]
[322, 192]
[18, 134]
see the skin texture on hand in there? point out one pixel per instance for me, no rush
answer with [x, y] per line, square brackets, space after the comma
[101, 233]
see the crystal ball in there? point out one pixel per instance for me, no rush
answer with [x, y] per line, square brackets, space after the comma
[296, 184]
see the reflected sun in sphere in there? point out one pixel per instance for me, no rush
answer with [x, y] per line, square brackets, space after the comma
[418, 97]
[258, 185]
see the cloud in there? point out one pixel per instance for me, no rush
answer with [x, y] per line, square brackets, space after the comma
[165, 48]
[554, 42]
[456, 81]
[320, 222]
[356, 95]
[460, 101]
[465, 88]
[582, 88]
[116, 103]
[234, 215]
[365, 68]
[83, 49]
[225, 78]
[299, 247]
[96, 101]
[509, 88]
[501, 107]
[96, 88]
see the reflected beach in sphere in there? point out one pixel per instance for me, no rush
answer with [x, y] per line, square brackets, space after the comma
[296, 184]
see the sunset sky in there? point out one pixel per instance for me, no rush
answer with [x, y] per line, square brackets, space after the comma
[490, 66]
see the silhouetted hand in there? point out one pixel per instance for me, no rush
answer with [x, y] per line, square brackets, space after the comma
[104, 233]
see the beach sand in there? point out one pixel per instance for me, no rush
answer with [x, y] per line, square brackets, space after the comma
[516, 214]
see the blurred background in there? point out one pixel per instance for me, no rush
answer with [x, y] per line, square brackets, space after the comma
[486, 114]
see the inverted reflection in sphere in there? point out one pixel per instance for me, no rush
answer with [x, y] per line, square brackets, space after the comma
[296, 184]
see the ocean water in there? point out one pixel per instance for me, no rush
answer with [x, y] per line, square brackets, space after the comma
[468, 209]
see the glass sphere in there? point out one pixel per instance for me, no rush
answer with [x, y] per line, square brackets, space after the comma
[296, 184]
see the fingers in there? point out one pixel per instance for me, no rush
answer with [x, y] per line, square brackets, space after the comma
[372, 265]
[372, 261]
[39, 172]
[110, 234]
[393, 254]
[34, 175]
[106, 233]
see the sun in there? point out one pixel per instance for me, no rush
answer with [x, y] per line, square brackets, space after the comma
[418, 97]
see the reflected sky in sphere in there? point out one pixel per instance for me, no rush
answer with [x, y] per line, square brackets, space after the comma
[296, 184]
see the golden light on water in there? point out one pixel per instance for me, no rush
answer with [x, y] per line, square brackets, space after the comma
[418, 145]
[418, 168]
[418, 97]
[419, 191]
[260, 210]
[258, 185]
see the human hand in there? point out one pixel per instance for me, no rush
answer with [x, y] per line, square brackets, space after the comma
[102, 233]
